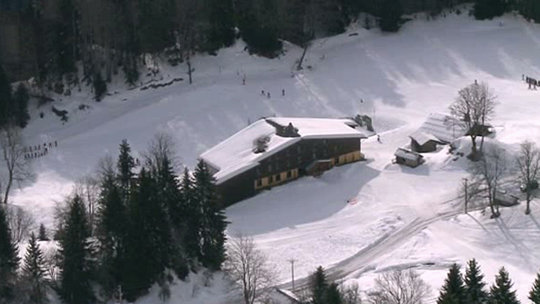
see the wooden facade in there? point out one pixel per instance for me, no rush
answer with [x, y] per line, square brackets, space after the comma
[428, 146]
[290, 164]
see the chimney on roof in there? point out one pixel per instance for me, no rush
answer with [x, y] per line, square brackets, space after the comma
[290, 131]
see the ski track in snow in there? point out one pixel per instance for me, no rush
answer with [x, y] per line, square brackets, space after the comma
[389, 242]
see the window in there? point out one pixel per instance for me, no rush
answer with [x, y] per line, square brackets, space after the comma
[257, 171]
[259, 183]
[289, 174]
[271, 179]
[269, 168]
[278, 177]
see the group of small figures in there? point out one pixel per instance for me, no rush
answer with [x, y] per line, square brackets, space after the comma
[533, 83]
[263, 93]
[37, 151]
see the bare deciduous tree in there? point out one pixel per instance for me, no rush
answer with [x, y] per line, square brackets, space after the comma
[473, 108]
[20, 223]
[400, 287]
[51, 260]
[528, 162]
[488, 173]
[16, 165]
[159, 148]
[246, 267]
[88, 189]
[351, 294]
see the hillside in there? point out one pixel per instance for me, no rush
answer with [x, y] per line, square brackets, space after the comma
[402, 217]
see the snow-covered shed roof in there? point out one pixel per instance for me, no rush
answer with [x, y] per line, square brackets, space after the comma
[422, 138]
[236, 154]
[442, 126]
[410, 155]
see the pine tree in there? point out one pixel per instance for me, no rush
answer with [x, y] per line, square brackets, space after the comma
[453, 291]
[191, 215]
[259, 29]
[33, 274]
[333, 294]
[75, 253]
[501, 292]
[100, 86]
[66, 42]
[475, 292]
[6, 109]
[318, 286]
[390, 16]
[9, 260]
[534, 294]
[42, 236]
[20, 99]
[112, 230]
[213, 223]
[221, 18]
[167, 196]
[148, 241]
[155, 24]
[125, 166]
[170, 198]
[330, 19]
[488, 9]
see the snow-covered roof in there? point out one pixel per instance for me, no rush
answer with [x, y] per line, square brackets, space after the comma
[422, 138]
[442, 126]
[410, 155]
[236, 154]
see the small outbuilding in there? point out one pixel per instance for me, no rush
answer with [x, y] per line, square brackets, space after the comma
[505, 199]
[481, 130]
[422, 142]
[408, 158]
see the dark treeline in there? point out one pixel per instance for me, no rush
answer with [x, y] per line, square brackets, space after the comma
[108, 36]
[403, 286]
[149, 224]
[69, 43]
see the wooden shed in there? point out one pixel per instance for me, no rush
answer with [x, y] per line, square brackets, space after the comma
[408, 158]
[424, 142]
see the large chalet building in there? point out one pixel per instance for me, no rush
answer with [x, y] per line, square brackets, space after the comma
[273, 151]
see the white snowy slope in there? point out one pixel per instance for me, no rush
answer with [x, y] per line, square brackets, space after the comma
[397, 217]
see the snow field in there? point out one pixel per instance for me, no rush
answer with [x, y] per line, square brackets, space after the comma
[402, 217]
